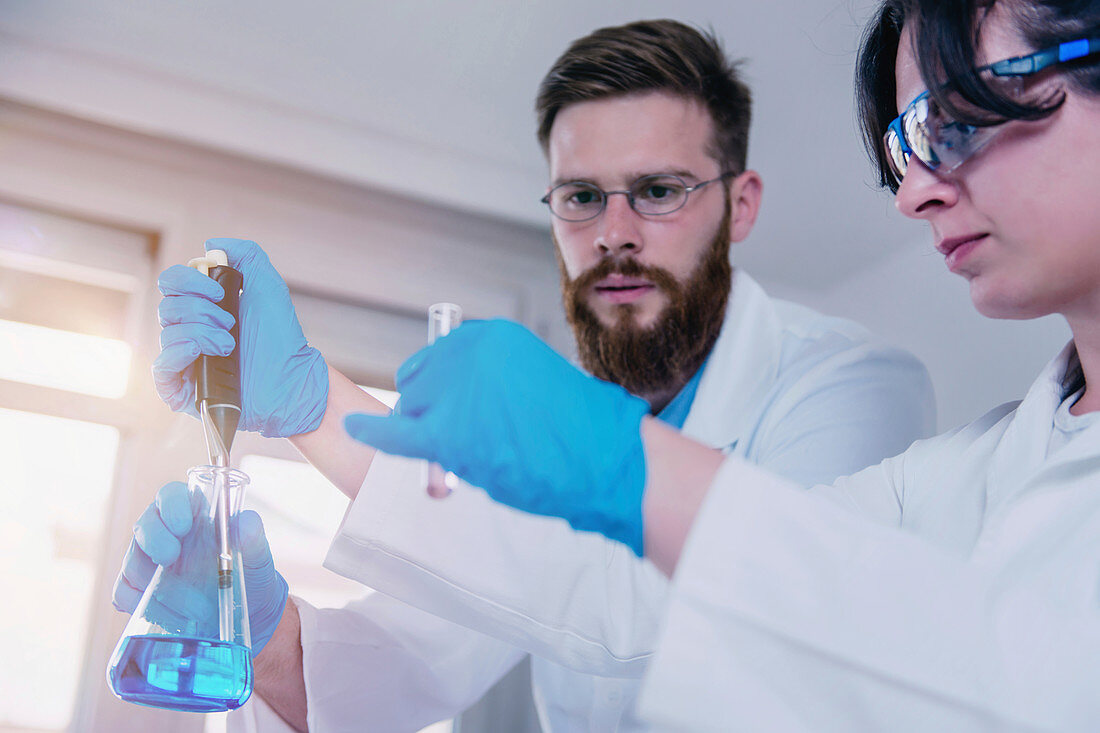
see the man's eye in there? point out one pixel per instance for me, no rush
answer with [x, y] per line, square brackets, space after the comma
[583, 197]
[660, 191]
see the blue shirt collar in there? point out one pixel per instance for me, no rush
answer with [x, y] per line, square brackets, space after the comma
[676, 411]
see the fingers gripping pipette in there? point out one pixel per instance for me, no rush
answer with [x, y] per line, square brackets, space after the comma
[218, 378]
[218, 401]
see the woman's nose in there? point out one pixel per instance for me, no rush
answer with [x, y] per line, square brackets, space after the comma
[923, 192]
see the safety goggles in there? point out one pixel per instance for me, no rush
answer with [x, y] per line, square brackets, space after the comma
[925, 130]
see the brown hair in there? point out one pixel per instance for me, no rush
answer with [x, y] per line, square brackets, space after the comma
[653, 55]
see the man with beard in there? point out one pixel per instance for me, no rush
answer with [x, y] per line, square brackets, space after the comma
[645, 128]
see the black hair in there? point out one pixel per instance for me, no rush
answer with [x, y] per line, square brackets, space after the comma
[945, 38]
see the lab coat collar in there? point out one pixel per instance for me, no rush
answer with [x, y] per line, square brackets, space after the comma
[1085, 445]
[741, 367]
[1022, 451]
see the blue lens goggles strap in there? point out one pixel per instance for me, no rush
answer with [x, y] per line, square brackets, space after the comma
[1035, 62]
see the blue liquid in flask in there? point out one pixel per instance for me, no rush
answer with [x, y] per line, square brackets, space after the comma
[182, 673]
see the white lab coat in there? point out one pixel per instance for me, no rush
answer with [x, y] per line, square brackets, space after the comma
[955, 587]
[808, 396]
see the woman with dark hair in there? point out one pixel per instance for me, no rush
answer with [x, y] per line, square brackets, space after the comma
[953, 587]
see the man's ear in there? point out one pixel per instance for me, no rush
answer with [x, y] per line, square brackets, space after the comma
[745, 191]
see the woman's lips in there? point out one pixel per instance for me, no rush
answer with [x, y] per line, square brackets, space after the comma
[957, 249]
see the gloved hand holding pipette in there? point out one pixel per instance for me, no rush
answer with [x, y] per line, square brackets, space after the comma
[157, 541]
[284, 381]
[498, 407]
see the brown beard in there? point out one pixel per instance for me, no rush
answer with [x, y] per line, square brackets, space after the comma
[654, 362]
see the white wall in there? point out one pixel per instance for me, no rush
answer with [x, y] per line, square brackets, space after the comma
[434, 100]
[913, 301]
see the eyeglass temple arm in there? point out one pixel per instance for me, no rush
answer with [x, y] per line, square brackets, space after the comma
[697, 186]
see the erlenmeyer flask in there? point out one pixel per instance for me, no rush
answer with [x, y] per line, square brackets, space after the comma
[187, 645]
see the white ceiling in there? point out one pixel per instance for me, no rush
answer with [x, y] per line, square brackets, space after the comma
[434, 99]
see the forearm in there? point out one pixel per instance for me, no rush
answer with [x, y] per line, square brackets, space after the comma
[278, 669]
[679, 472]
[342, 460]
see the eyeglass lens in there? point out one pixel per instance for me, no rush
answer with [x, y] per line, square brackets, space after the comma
[578, 201]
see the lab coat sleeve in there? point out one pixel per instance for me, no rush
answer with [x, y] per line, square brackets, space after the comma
[851, 409]
[791, 612]
[380, 665]
[574, 598]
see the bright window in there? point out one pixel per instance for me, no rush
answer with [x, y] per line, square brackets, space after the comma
[301, 511]
[66, 313]
[57, 480]
[74, 362]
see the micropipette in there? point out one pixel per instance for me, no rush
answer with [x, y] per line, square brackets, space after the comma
[218, 400]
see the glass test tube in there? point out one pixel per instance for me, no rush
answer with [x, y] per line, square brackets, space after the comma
[442, 319]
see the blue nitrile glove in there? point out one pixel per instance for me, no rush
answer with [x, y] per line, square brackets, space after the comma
[498, 407]
[284, 380]
[156, 541]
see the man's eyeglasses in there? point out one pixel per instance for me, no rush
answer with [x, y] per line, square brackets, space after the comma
[649, 195]
[925, 130]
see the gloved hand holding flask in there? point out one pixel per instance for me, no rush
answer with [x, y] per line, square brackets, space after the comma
[160, 536]
[284, 381]
[498, 407]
